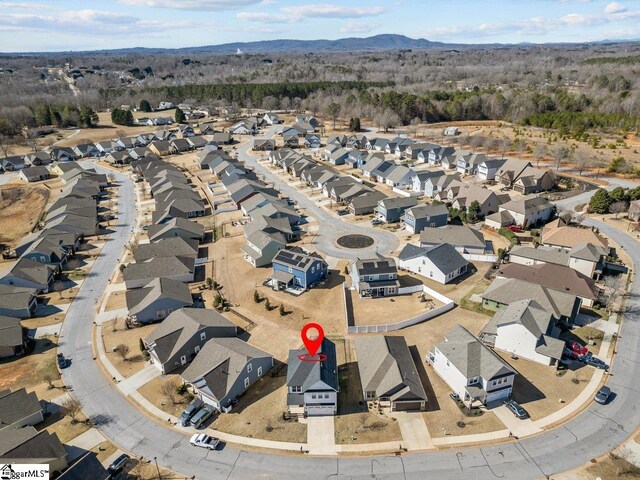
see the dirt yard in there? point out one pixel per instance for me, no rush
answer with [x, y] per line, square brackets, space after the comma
[20, 210]
[116, 300]
[130, 338]
[172, 405]
[259, 413]
[539, 390]
[381, 311]
[65, 428]
[32, 371]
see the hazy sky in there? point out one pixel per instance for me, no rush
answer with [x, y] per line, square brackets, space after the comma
[46, 25]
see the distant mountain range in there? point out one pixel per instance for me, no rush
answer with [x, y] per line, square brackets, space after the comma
[351, 44]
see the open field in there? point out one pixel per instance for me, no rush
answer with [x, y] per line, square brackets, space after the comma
[20, 210]
[134, 361]
[381, 311]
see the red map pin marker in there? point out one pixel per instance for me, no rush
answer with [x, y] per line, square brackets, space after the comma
[312, 346]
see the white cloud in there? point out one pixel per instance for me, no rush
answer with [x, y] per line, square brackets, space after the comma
[332, 11]
[212, 5]
[263, 17]
[357, 27]
[24, 6]
[615, 7]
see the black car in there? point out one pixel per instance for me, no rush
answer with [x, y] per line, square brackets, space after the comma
[343, 212]
[62, 362]
[593, 362]
[119, 463]
[454, 396]
[516, 409]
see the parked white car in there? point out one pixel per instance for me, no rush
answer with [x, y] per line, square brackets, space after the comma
[204, 441]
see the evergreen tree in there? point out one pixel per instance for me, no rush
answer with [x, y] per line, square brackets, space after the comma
[354, 124]
[473, 212]
[145, 106]
[180, 116]
[122, 117]
[600, 201]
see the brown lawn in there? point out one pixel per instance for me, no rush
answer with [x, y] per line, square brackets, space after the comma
[134, 361]
[65, 428]
[20, 210]
[31, 371]
[259, 413]
[152, 391]
[116, 300]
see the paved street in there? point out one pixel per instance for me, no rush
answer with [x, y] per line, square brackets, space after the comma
[331, 226]
[596, 431]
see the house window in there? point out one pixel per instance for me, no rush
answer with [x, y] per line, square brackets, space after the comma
[246, 382]
[249, 368]
[203, 336]
[160, 313]
[290, 270]
[197, 349]
[296, 389]
[259, 371]
[313, 269]
[313, 395]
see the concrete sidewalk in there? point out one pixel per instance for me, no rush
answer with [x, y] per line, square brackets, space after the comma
[138, 379]
[518, 427]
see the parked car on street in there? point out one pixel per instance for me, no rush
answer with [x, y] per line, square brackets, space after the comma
[204, 441]
[454, 396]
[190, 411]
[119, 463]
[516, 409]
[603, 395]
[62, 362]
[376, 221]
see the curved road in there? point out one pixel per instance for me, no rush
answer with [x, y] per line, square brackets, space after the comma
[330, 225]
[594, 432]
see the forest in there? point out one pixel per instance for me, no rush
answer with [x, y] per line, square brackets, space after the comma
[575, 89]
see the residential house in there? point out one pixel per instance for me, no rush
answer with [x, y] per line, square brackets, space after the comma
[463, 195]
[179, 145]
[375, 277]
[419, 217]
[244, 127]
[502, 292]
[261, 247]
[270, 119]
[166, 247]
[392, 209]
[434, 185]
[558, 234]
[525, 212]
[176, 227]
[585, 258]
[63, 154]
[467, 164]
[38, 158]
[338, 157]
[186, 131]
[276, 226]
[19, 409]
[290, 139]
[49, 250]
[526, 330]
[27, 273]
[17, 302]
[441, 263]
[377, 144]
[510, 171]
[388, 374]
[555, 277]
[488, 169]
[264, 144]
[121, 157]
[312, 141]
[222, 138]
[180, 269]
[224, 369]
[157, 300]
[366, 203]
[298, 270]
[105, 147]
[160, 147]
[60, 169]
[178, 339]
[197, 141]
[534, 180]
[449, 163]
[437, 155]
[419, 180]
[400, 177]
[276, 210]
[466, 240]
[451, 131]
[14, 341]
[166, 105]
[34, 174]
[30, 446]
[312, 387]
[11, 164]
[474, 372]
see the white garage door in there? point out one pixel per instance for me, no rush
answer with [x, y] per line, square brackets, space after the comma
[499, 395]
[314, 411]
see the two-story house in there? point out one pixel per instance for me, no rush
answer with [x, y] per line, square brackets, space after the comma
[471, 369]
[420, 217]
[391, 209]
[261, 247]
[375, 277]
[312, 386]
[296, 269]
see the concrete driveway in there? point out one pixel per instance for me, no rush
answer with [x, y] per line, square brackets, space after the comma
[518, 427]
[321, 435]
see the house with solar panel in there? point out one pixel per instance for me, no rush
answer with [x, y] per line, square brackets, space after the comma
[296, 271]
[375, 277]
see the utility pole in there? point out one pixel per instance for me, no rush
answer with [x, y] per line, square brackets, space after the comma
[155, 459]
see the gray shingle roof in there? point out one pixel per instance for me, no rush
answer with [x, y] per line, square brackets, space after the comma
[471, 357]
[444, 256]
[453, 234]
[167, 247]
[28, 443]
[16, 405]
[307, 374]
[140, 298]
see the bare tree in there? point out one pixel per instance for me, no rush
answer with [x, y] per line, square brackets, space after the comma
[49, 379]
[122, 350]
[72, 408]
[582, 160]
[168, 390]
[6, 145]
[560, 154]
[613, 289]
[333, 110]
[539, 152]
[504, 143]
[618, 207]
[476, 141]
[32, 140]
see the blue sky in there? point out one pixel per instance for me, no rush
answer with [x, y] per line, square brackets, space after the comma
[51, 25]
